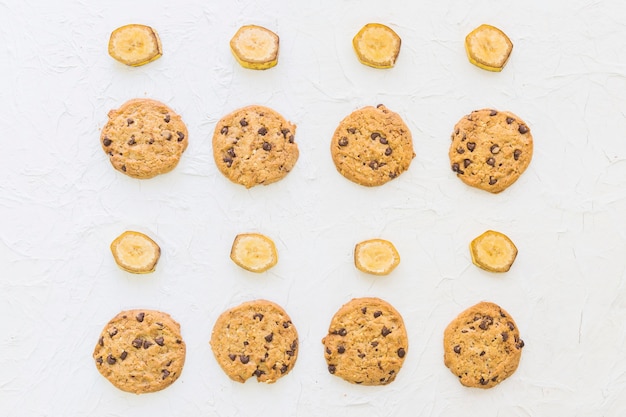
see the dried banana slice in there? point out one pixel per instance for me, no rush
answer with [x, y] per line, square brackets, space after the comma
[493, 251]
[376, 256]
[377, 45]
[135, 45]
[255, 47]
[135, 252]
[254, 252]
[488, 47]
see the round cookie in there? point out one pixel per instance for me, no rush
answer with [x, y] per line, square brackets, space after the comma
[254, 145]
[366, 342]
[140, 351]
[256, 338]
[482, 346]
[490, 149]
[372, 146]
[144, 138]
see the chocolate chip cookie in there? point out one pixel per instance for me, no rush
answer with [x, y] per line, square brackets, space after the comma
[366, 342]
[255, 339]
[140, 351]
[372, 146]
[490, 149]
[254, 145]
[482, 346]
[144, 138]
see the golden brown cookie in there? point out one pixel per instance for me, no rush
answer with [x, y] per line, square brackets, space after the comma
[140, 351]
[372, 146]
[482, 346]
[254, 145]
[490, 149]
[255, 339]
[144, 138]
[366, 342]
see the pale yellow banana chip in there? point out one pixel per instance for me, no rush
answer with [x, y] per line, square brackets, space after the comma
[376, 256]
[135, 252]
[254, 252]
[488, 48]
[493, 251]
[255, 47]
[377, 45]
[135, 45]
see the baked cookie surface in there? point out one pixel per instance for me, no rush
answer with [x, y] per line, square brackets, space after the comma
[254, 145]
[490, 149]
[255, 339]
[372, 146]
[144, 138]
[140, 351]
[366, 342]
[482, 346]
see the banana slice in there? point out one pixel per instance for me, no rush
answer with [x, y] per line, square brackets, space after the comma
[135, 252]
[255, 47]
[488, 48]
[135, 45]
[493, 251]
[254, 252]
[377, 45]
[376, 256]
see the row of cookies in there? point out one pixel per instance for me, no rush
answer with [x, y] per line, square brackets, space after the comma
[255, 145]
[142, 351]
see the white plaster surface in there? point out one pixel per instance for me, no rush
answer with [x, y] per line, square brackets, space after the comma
[62, 203]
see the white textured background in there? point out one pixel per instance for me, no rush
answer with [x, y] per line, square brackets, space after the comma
[61, 203]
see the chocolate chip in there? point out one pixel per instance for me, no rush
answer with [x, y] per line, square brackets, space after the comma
[385, 331]
[483, 381]
[224, 130]
[166, 119]
[373, 165]
[342, 332]
[124, 168]
[228, 162]
[343, 141]
[99, 360]
[375, 135]
[151, 141]
[167, 135]
[482, 353]
[492, 180]
[455, 167]
[137, 343]
[361, 355]
[113, 332]
[257, 316]
[106, 141]
[283, 369]
[364, 310]
[269, 337]
[374, 343]
[285, 132]
[165, 373]
[258, 373]
[131, 142]
[130, 121]
[181, 136]
[516, 154]
[505, 336]
[471, 146]
[401, 352]
[388, 151]
[147, 344]
[267, 146]
[520, 344]
[111, 360]
[246, 343]
[243, 122]
[290, 352]
[485, 323]
[332, 369]
[328, 351]
[383, 140]
[460, 150]
[351, 130]
[286, 324]
[457, 349]
[493, 112]
[262, 131]
[494, 149]
[377, 314]
[341, 349]
[466, 162]
[244, 359]
[491, 161]
[290, 138]
[509, 120]
[123, 355]
[511, 325]
[159, 340]
[232, 356]
[522, 129]
[101, 341]
[495, 378]
[178, 341]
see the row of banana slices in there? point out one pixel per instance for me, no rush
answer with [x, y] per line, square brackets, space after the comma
[137, 253]
[256, 47]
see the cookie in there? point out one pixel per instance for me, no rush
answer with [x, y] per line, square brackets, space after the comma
[254, 145]
[490, 149]
[144, 138]
[255, 339]
[140, 351]
[366, 342]
[372, 146]
[482, 346]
